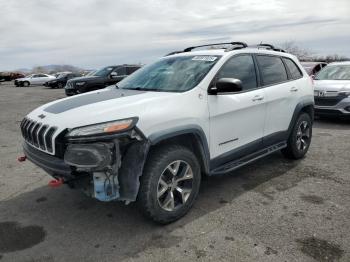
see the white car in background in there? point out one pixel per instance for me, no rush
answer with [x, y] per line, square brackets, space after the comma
[34, 79]
[332, 90]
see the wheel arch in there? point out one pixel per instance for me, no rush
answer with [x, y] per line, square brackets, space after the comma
[306, 106]
[192, 137]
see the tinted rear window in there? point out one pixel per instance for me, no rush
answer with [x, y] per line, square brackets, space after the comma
[294, 70]
[272, 69]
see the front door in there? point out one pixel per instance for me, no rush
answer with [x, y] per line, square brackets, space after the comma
[237, 119]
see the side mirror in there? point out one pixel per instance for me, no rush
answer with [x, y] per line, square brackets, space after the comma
[226, 85]
[114, 75]
[313, 77]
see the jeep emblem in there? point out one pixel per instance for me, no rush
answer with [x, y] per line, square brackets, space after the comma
[41, 116]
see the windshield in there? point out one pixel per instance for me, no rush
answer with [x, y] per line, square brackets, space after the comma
[172, 74]
[336, 72]
[104, 71]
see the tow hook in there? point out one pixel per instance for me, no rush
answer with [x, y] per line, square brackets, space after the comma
[22, 158]
[56, 183]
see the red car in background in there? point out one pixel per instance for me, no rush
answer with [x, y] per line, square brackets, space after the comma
[9, 76]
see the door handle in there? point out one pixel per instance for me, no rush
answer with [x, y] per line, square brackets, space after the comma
[257, 98]
[294, 89]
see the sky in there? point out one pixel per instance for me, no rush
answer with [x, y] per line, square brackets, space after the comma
[96, 33]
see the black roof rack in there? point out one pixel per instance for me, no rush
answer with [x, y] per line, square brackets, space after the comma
[271, 47]
[234, 46]
[174, 53]
[242, 44]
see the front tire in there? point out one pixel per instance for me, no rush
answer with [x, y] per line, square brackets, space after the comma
[300, 138]
[26, 84]
[170, 183]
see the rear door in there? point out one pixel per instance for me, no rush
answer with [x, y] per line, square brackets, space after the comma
[281, 91]
[236, 119]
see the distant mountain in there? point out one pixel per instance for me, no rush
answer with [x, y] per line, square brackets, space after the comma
[51, 69]
[56, 68]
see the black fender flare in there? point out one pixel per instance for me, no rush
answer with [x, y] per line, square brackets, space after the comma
[195, 130]
[298, 109]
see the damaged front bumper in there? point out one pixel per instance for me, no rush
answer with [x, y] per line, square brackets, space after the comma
[106, 168]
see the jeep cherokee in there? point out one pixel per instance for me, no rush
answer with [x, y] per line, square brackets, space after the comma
[151, 137]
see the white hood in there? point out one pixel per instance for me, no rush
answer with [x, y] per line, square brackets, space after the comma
[156, 111]
[97, 107]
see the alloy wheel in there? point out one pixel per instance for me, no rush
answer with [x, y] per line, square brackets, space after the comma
[303, 136]
[175, 185]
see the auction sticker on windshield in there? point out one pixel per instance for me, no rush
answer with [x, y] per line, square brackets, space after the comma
[204, 58]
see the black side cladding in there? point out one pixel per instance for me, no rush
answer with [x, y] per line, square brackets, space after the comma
[131, 169]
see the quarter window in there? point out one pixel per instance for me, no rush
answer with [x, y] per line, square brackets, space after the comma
[294, 70]
[272, 69]
[242, 68]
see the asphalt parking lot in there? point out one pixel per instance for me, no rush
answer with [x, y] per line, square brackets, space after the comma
[272, 210]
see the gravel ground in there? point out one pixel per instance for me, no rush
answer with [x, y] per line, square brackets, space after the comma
[272, 210]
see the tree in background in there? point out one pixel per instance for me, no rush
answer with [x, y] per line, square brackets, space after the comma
[292, 48]
[307, 55]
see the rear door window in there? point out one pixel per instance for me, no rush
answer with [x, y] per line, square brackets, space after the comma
[272, 69]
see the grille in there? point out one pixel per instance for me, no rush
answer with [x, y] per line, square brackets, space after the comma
[38, 134]
[329, 101]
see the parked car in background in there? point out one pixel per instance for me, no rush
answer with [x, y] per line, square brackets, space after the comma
[312, 68]
[100, 79]
[9, 76]
[34, 79]
[151, 138]
[60, 73]
[61, 80]
[332, 90]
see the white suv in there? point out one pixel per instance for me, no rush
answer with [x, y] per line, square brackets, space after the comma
[191, 113]
[332, 90]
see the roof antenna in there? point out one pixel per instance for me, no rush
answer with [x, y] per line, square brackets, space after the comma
[260, 45]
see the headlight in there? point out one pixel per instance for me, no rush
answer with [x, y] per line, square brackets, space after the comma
[80, 83]
[103, 128]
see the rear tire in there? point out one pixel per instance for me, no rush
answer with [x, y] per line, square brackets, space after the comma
[170, 183]
[300, 138]
[60, 85]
